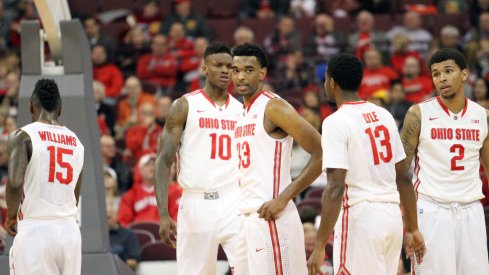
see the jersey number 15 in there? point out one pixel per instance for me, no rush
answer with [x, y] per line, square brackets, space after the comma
[55, 161]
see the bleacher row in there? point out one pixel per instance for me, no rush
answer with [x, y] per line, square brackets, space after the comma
[222, 16]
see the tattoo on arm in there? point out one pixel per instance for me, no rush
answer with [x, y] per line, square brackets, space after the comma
[410, 133]
[169, 142]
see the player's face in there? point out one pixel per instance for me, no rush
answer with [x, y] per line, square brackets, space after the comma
[217, 69]
[448, 78]
[247, 74]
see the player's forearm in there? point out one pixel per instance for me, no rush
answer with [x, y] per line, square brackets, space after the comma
[162, 177]
[308, 175]
[14, 195]
[408, 202]
[329, 213]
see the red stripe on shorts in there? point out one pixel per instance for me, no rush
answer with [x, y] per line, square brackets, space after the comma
[277, 255]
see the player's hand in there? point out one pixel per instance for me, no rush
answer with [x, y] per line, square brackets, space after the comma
[11, 226]
[315, 261]
[271, 210]
[415, 246]
[168, 231]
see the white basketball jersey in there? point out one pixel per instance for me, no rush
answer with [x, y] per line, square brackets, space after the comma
[363, 139]
[205, 159]
[446, 166]
[264, 161]
[52, 173]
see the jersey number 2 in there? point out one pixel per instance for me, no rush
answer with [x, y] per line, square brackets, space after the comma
[56, 157]
[461, 152]
[385, 141]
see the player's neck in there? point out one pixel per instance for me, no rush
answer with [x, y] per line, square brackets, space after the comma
[218, 96]
[48, 118]
[347, 97]
[455, 104]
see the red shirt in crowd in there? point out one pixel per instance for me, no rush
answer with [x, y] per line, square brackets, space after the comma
[417, 89]
[374, 80]
[397, 59]
[138, 204]
[111, 77]
[142, 139]
[161, 70]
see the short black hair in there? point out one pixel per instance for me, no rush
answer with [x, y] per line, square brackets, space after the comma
[215, 48]
[47, 94]
[346, 70]
[249, 49]
[449, 54]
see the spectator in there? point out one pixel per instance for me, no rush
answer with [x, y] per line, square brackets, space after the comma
[482, 58]
[105, 112]
[283, 40]
[195, 24]
[96, 37]
[139, 203]
[113, 160]
[163, 105]
[178, 44]
[452, 6]
[147, 18]
[191, 67]
[158, 67]
[324, 42]
[311, 100]
[400, 47]
[10, 100]
[398, 105]
[143, 137]
[303, 8]
[419, 38]
[264, 8]
[478, 7]
[26, 11]
[474, 36]
[308, 214]
[480, 92]
[135, 45]
[450, 38]
[243, 35]
[4, 29]
[418, 86]
[107, 73]
[376, 76]
[110, 184]
[123, 242]
[129, 106]
[294, 75]
[366, 37]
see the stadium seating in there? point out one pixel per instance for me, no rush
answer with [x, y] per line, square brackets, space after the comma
[144, 236]
[151, 227]
[157, 251]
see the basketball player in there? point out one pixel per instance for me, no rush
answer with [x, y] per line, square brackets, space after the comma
[45, 165]
[364, 160]
[199, 129]
[448, 137]
[271, 238]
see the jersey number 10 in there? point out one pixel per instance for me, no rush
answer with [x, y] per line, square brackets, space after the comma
[385, 141]
[224, 151]
[56, 157]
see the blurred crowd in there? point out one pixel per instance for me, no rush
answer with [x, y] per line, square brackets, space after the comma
[147, 53]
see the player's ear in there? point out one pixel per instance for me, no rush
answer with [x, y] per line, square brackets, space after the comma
[204, 69]
[465, 74]
[263, 73]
